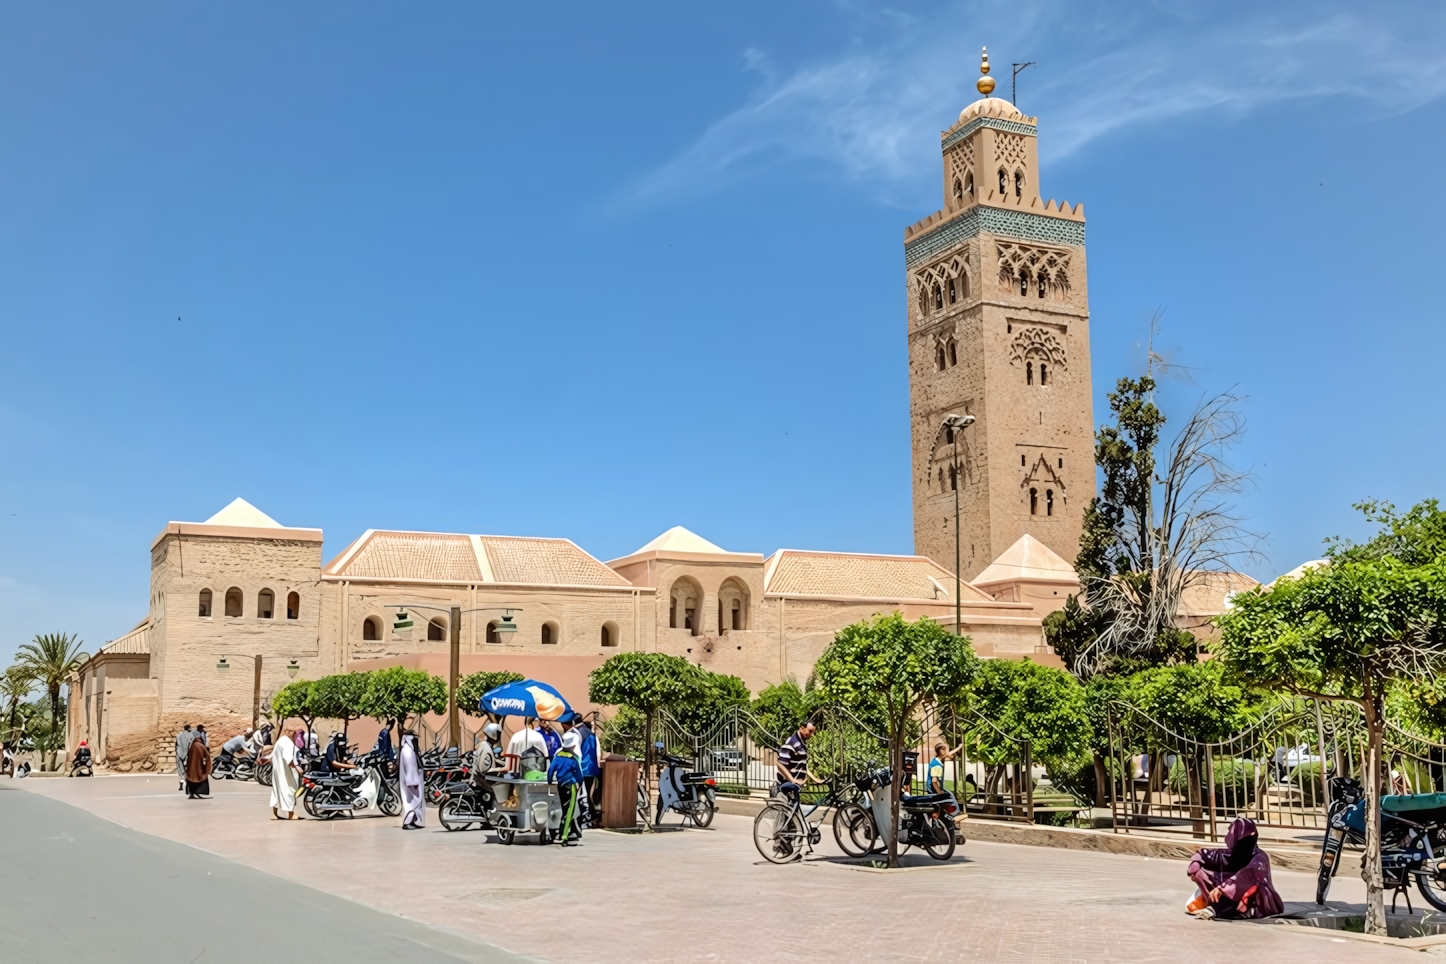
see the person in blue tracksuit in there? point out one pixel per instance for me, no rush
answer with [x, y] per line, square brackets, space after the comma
[565, 771]
[591, 770]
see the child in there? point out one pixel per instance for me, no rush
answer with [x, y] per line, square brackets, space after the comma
[567, 774]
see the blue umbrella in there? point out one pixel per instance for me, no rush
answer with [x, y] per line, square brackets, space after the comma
[527, 698]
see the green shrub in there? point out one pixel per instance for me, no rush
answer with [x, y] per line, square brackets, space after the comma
[1234, 782]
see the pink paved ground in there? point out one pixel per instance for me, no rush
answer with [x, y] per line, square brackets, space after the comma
[706, 895]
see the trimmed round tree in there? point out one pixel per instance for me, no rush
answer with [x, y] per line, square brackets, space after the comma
[396, 693]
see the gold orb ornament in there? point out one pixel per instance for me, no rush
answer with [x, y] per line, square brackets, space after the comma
[985, 82]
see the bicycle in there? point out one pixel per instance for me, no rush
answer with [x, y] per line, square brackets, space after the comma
[784, 831]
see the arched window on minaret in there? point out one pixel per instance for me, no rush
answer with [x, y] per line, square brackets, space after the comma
[1049, 502]
[1034, 502]
[958, 191]
[1043, 373]
[939, 359]
[953, 479]
[1024, 284]
[953, 354]
[1019, 184]
[1042, 284]
[953, 291]
[969, 184]
[1003, 183]
[938, 297]
[1029, 373]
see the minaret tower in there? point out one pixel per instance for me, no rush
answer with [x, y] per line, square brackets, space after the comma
[998, 328]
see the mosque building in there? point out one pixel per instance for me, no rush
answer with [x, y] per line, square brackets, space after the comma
[997, 325]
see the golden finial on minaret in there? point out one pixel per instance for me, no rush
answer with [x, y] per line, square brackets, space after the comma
[985, 82]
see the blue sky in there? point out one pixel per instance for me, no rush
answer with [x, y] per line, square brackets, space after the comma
[596, 270]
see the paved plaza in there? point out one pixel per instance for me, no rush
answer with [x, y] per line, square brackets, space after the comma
[672, 896]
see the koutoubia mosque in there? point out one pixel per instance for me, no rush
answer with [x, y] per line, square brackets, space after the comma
[997, 320]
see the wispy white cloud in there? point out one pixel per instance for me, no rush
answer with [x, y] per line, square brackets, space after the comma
[872, 112]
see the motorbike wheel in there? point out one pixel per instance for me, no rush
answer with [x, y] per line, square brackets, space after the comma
[506, 836]
[263, 774]
[703, 810]
[1432, 886]
[779, 835]
[645, 805]
[854, 830]
[308, 802]
[450, 815]
[1330, 856]
[544, 836]
[939, 851]
[389, 801]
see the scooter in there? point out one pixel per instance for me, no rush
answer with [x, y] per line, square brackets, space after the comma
[684, 791]
[925, 820]
[81, 765]
[229, 767]
[1413, 841]
[329, 795]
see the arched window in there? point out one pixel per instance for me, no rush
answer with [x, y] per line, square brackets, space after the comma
[372, 628]
[1043, 373]
[205, 607]
[1019, 184]
[1003, 186]
[1023, 285]
[683, 602]
[492, 636]
[1042, 286]
[549, 634]
[923, 301]
[953, 479]
[293, 605]
[953, 355]
[233, 602]
[939, 357]
[265, 604]
[732, 605]
[1029, 373]
[1034, 502]
[938, 297]
[437, 630]
[609, 634]
[953, 292]
[737, 619]
[958, 191]
[969, 184]
[1049, 502]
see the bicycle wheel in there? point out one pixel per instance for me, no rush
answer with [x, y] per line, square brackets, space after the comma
[854, 830]
[1432, 884]
[778, 834]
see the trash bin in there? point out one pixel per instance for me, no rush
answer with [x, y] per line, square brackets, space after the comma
[620, 794]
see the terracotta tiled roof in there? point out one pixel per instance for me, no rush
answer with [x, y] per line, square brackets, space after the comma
[554, 562]
[137, 642]
[856, 574]
[454, 557]
[414, 555]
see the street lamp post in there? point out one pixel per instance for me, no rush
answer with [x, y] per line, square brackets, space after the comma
[454, 632]
[955, 425]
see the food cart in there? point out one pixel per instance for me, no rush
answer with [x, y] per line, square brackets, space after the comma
[526, 806]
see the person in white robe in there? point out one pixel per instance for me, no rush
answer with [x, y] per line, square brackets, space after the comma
[285, 779]
[413, 802]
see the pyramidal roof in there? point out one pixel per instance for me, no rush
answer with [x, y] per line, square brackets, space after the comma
[679, 539]
[244, 514]
[1028, 558]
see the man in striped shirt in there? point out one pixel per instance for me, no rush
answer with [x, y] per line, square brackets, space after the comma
[792, 763]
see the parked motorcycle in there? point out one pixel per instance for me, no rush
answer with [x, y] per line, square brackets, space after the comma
[925, 820]
[227, 766]
[468, 804]
[1413, 833]
[328, 795]
[684, 791]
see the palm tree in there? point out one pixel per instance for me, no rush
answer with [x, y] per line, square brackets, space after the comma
[51, 660]
[15, 684]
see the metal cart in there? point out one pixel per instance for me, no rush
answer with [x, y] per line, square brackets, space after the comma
[526, 806]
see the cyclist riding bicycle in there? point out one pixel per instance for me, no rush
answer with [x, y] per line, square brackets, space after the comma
[792, 763]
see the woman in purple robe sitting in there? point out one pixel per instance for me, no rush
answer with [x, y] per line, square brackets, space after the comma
[1234, 881]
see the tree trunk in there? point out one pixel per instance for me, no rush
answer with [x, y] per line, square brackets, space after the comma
[896, 764]
[1101, 797]
[1374, 707]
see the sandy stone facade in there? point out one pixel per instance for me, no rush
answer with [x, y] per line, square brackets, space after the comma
[998, 328]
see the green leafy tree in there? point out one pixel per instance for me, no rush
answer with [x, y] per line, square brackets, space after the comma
[52, 660]
[1018, 701]
[474, 686]
[724, 695]
[398, 693]
[780, 709]
[1151, 533]
[648, 683]
[15, 684]
[341, 696]
[1351, 631]
[293, 701]
[895, 666]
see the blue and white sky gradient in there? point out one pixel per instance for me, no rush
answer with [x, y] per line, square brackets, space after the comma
[597, 270]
